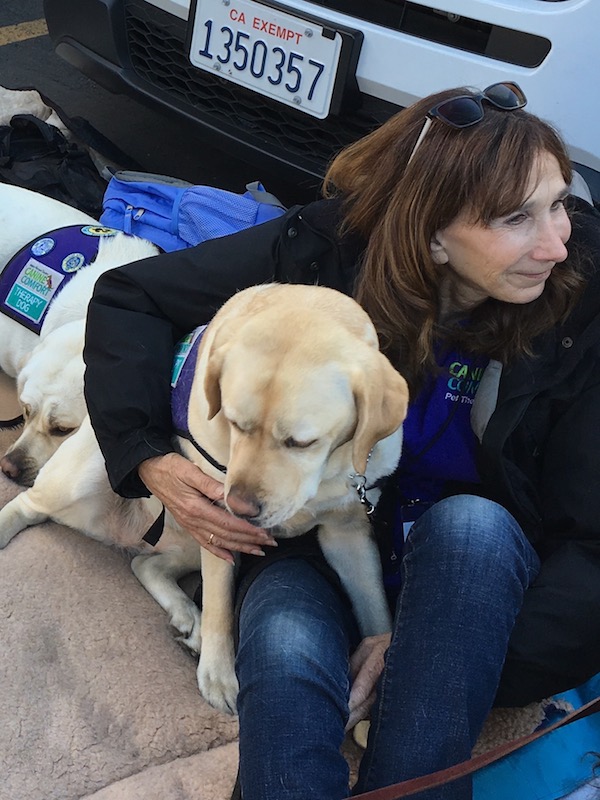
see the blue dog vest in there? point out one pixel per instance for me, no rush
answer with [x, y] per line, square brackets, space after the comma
[40, 271]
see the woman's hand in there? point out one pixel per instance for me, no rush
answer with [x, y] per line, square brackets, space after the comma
[190, 496]
[366, 665]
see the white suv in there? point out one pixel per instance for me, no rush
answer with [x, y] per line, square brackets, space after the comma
[294, 81]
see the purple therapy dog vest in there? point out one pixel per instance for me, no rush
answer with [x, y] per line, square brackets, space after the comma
[182, 377]
[41, 269]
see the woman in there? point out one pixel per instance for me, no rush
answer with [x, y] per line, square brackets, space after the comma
[452, 227]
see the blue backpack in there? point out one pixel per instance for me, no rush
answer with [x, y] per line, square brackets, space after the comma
[175, 214]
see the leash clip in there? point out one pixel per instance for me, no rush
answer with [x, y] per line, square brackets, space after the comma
[360, 484]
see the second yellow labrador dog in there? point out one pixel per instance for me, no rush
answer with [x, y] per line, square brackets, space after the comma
[292, 394]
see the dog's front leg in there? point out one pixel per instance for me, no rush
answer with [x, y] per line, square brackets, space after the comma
[158, 572]
[216, 669]
[350, 549]
[18, 514]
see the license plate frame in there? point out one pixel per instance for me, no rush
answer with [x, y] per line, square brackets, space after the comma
[298, 60]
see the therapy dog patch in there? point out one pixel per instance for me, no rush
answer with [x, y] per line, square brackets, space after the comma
[41, 269]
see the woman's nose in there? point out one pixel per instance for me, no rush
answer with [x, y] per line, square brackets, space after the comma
[552, 237]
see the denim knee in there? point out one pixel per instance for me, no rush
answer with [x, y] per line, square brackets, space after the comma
[294, 626]
[476, 532]
[288, 644]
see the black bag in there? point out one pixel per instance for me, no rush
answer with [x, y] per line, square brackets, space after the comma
[37, 156]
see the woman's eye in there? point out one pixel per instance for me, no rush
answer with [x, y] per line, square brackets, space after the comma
[516, 219]
[559, 204]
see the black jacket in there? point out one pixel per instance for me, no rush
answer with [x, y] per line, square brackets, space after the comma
[539, 455]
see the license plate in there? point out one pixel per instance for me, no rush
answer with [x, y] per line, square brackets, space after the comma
[290, 59]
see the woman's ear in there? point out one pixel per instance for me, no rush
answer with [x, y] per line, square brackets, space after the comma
[438, 251]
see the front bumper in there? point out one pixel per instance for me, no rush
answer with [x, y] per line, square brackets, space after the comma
[137, 49]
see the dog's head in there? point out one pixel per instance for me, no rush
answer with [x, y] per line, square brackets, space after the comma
[50, 387]
[296, 377]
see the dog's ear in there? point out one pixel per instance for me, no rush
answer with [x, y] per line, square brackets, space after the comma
[381, 396]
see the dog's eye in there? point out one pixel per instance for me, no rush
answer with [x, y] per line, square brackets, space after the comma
[291, 442]
[59, 431]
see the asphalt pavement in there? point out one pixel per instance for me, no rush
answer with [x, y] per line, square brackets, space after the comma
[158, 143]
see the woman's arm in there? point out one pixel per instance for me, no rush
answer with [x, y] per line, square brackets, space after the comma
[555, 644]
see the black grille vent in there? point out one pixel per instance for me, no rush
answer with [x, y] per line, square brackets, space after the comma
[454, 30]
[156, 43]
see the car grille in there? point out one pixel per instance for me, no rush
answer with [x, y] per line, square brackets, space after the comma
[156, 42]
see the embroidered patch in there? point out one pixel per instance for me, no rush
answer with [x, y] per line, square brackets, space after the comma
[33, 289]
[42, 246]
[98, 230]
[73, 262]
[41, 269]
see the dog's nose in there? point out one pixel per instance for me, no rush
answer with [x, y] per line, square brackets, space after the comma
[9, 468]
[242, 502]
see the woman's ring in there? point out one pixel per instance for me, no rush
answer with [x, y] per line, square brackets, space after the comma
[210, 538]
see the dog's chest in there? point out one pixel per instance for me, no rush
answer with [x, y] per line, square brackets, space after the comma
[39, 271]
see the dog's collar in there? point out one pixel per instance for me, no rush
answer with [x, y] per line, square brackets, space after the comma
[36, 274]
[188, 436]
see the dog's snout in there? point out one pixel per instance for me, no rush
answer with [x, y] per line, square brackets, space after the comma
[9, 468]
[243, 503]
[20, 469]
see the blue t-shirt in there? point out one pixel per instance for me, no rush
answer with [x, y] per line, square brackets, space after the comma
[439, 446]
[439, 443]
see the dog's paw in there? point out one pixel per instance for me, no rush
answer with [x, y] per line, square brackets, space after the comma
[10, 526]
[187, 620]
[217, 680]
[5, 539]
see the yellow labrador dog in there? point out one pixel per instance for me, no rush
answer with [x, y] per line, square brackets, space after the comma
[292, 394]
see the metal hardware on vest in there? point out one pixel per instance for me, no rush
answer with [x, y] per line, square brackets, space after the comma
[292, 233]
[567, 342]
[360, 484]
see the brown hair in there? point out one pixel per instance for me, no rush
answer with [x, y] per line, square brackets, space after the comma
[398, 206]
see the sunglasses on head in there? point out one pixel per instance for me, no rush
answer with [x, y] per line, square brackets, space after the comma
[467, 109]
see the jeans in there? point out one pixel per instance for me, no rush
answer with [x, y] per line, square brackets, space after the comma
[465, 571]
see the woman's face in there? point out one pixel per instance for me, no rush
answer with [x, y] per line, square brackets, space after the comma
[510, 258]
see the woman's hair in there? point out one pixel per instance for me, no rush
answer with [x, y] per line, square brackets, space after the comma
[397, 206]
